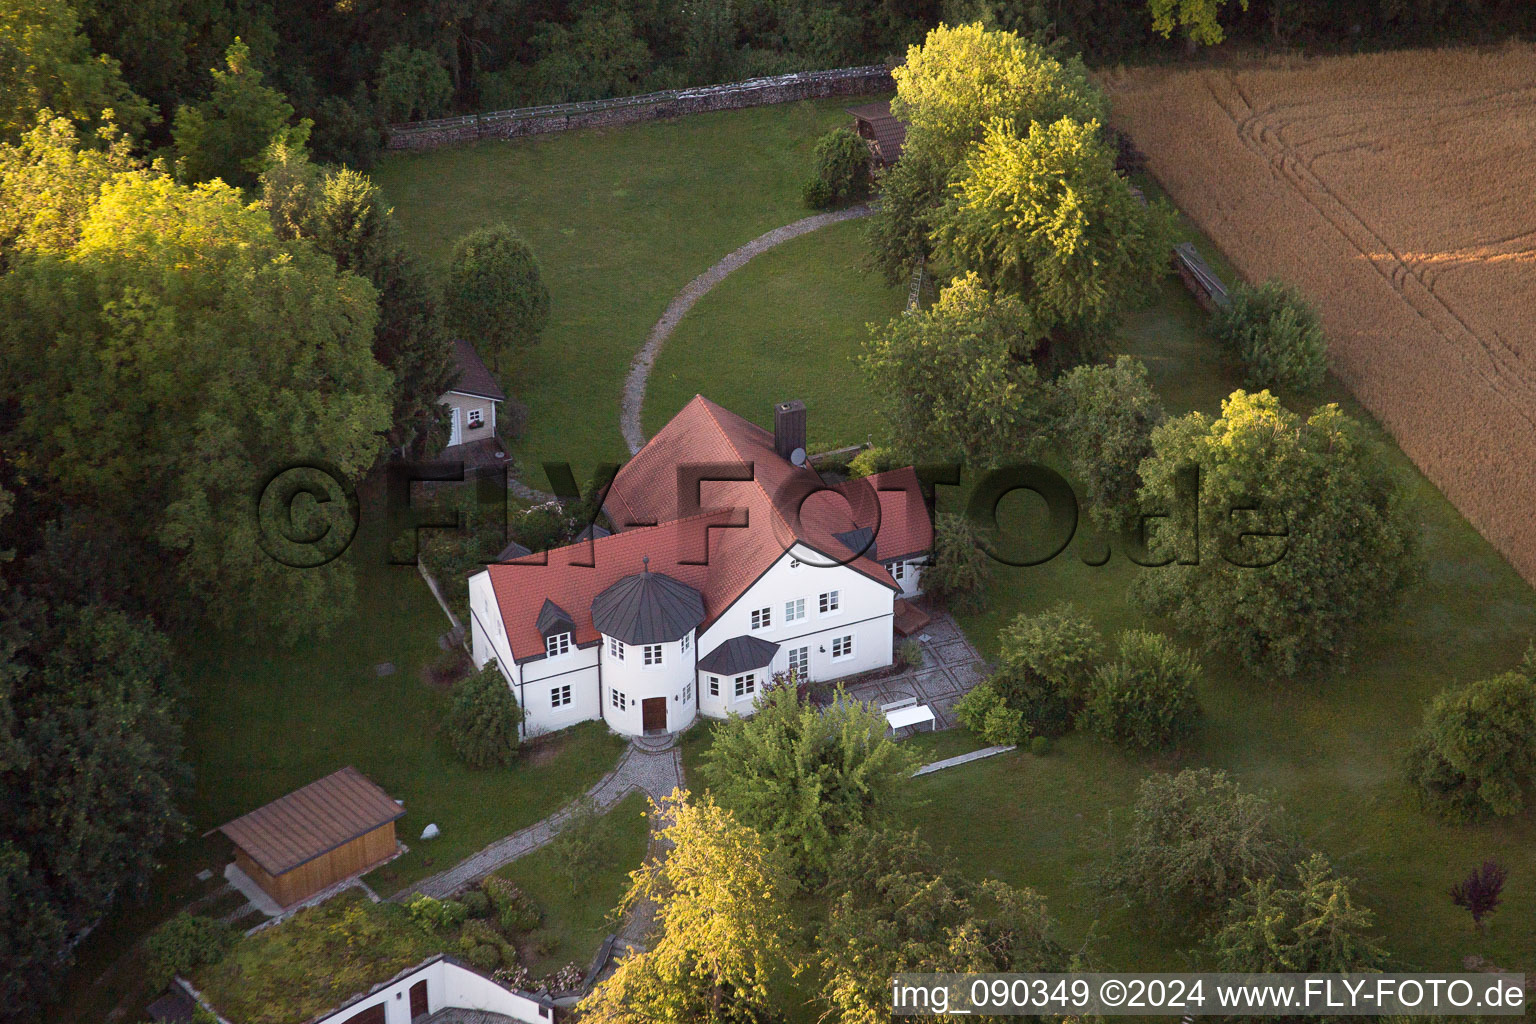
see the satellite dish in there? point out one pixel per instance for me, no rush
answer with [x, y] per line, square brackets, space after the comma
[797, 457]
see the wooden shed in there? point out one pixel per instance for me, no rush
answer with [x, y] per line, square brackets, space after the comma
[879, 127]
[330, 830]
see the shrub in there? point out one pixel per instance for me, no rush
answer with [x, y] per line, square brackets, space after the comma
[910, 653]
[579, 848]
[872, 460]
[1194, 839]
[958, 572]
[484, 957]
[1145, 698]
[483, 719]
[477, 932]
[842, 170]
[184, 943]
[476, 903]
[983, 712]
[1475, 755]
[515, 912]
[1314, 925]
[1044, 665]
[1104, 418]
[1480, 892]
[436, 915]
[1276, 334]
[1040, 746]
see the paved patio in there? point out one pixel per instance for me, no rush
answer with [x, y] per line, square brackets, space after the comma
[951, 667]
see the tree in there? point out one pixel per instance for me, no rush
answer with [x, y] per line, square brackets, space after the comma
[1479, 893]
[958, 571]
[495, 294]
[1046, 217]
[1044, 666]
[804, 777]
[483, 719]
[1144, 699]
[1104, 418]
[230, 134]
[46, 63]
[721, 896]
[1198, 19]
[842, 170]
[1195, 839]
[184, 943]
[48, 182]
[1305, 536]
[1276, 334]
[901, 228]
[897, 908]
[234, 355]
[956, 377]
[1475, 755]
[1315, 926]
[412, 85]
[965, 78]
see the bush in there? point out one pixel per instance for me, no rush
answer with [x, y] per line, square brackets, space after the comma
[476, 903]
[1043, 667]
[872, 460]
[958, 572]
[579, 849]
[842, 170]
[984, 713]
[486, 958]
[1040, 746]
[1276, 334]
[1314, 926]
[478, 933]
[1145, 698]
[1104, 418]
[909, 654]
[515, 912]
[1476, 753]
[184, 943]
[1195, 838]
[436, 915]
[483, 719]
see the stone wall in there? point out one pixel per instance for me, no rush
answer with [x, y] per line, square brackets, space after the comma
[560, 117]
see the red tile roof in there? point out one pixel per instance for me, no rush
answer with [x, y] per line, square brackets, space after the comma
[749, 524]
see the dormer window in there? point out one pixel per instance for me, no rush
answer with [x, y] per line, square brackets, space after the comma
[557, 644]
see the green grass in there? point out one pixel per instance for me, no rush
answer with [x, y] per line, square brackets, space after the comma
[794, 319]
[621, 220]
[1328, 749]
[575, 922]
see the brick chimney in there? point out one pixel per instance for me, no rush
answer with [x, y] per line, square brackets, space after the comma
[788, 427]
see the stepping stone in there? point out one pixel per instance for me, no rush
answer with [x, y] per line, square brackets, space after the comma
[384, 668]
[204, 875]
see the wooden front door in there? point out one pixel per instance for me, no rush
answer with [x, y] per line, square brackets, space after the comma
[653, 714]
[418, 1000]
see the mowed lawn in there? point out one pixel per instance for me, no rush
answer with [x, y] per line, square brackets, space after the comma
[621, 219]
[786, 325]
[1328, 749]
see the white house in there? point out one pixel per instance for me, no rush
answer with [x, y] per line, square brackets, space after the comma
[731, 561]
[473, 399]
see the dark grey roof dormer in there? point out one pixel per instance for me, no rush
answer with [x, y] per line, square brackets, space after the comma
[593, 531]
[739, 654]
[554, 619]
[512, 551]
[860, 541]
[647, 608]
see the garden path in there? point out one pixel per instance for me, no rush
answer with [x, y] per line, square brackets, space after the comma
[640, 370]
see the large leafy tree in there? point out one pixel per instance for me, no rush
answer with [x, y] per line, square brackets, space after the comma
[49, 181]
[1305, 537]
[957, 377]
[1199, 19]
[721, 895]
[496, 296]
[805, 777]
[230, 134]
[47, 63]
[483, 719]
[175, 357]
[898, 908]
[1045, 216]
[1315, 924]
[1475, 756]
[1103, 422]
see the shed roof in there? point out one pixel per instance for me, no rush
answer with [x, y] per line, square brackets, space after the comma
[647, 608]
[739, 654]
[312, 821]
[889, 131]
[474, 377]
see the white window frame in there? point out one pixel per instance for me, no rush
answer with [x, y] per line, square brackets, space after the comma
[618, 700]
[714, 686]
[560, 696]
[686, 642]
[800, 661]
[745, 685]
[557, 644]
[651, 655]
[474, 419]
[687, 692]
[830, 602]
[616, 647]
[898, 571]
[794, 609]
[762, 618]
[847, 644]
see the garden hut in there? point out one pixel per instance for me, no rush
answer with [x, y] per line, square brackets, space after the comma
[326, 832]
[880, 128]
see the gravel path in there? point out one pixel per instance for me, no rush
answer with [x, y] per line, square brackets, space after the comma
[655, 774]
[682, 302]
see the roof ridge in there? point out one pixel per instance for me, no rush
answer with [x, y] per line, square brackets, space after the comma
[632, 532]
[709, 408]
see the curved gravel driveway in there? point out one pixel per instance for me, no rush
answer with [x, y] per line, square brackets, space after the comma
[682, 302]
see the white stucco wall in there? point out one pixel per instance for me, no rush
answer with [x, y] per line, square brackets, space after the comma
[637, 683]
[864, 612]
[448, 985]
[540, 676]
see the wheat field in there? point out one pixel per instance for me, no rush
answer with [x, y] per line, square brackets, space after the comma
[1398, 191]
